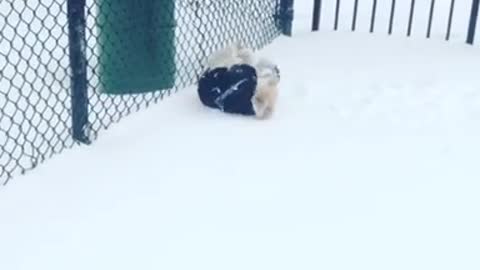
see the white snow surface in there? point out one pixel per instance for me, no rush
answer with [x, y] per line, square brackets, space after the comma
[370, 162]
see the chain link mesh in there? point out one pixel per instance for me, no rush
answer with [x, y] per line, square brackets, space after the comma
[35, 97]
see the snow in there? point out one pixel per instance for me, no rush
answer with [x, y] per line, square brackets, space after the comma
[369, 163]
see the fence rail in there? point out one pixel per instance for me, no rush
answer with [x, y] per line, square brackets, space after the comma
[61, 62]
[430, 8]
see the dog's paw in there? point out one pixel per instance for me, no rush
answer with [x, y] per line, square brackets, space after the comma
[267, 114]
[259, 106]
[263, 110]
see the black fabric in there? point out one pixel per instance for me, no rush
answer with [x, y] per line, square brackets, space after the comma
[229, 90]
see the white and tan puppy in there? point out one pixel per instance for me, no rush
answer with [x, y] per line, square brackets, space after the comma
[265, 95]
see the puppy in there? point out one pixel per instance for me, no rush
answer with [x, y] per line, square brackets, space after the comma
[236, 58]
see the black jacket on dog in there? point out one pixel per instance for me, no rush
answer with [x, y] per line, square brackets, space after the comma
[229, 90]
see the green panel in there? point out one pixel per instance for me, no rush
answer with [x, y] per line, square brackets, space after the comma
[137, 45]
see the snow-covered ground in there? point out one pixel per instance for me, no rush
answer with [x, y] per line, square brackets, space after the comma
[369, 163]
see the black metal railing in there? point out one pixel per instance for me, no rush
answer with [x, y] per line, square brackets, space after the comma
[371, 7]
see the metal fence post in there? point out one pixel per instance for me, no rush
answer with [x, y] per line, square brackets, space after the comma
[317, 10]
[78, 67]
[286, 16]
[473, 21]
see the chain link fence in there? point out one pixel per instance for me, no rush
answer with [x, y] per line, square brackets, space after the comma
[36, 96]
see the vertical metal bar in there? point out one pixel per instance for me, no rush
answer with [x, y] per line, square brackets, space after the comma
[450, 20]
[355, 12]
[317, 11]
[78, 67]
[337, 14]
[430, 18]
[286, 16]
[410, 18]
[473, 22]
[374, 14]
[392, 17]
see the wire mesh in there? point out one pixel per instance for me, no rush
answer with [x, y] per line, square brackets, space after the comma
[35, 97]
